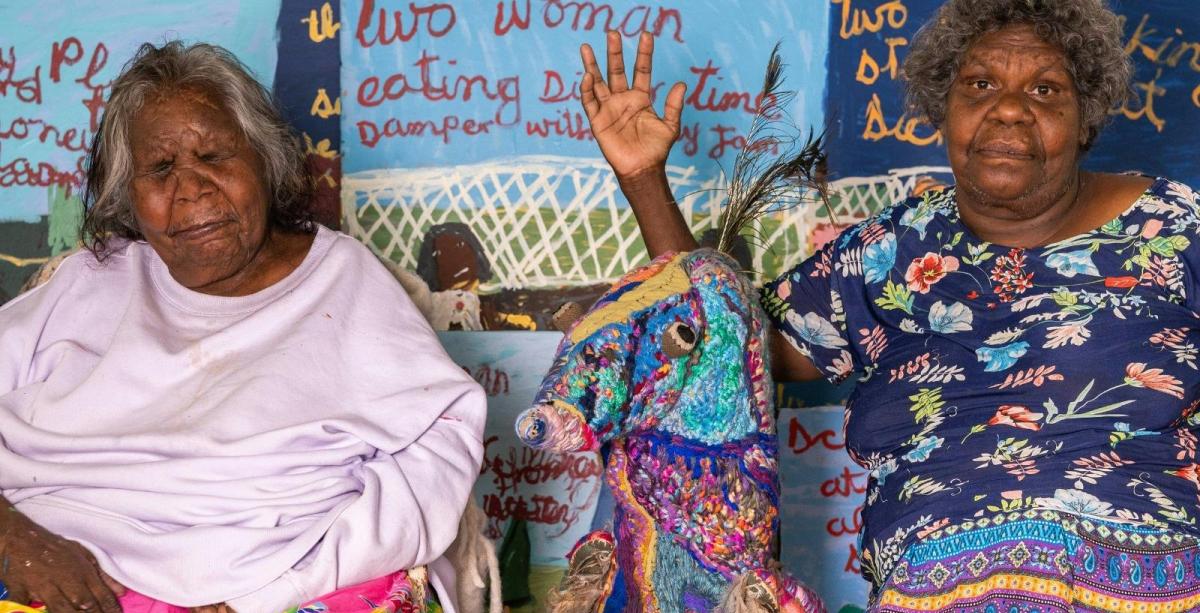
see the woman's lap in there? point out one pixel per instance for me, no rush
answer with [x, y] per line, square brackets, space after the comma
[398, 592]
[1045, 562]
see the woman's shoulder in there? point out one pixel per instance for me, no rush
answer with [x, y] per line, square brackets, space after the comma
[915, 212]
[74, 264]
[347, 254]
[1171, 191]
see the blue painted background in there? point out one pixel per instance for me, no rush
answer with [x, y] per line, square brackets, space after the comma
[736, 37]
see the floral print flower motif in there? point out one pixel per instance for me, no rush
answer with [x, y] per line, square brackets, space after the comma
[1190, 472]
[879, 258]
[917, 218]
[933, 527]
[949, 319]
[815, 330]
[784, 289]
[1001, 358]
[1120, 282]
[873, 233]
[1075, 501]
[1073, 263]
[1010, 276]
[1137, 375]
[928, 269]
[921, 452]
[885, 470]
[1152, 228]
[1016, 416]
[842, 366]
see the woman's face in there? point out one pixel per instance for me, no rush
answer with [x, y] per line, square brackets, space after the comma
[1013, 132]
[198, 193]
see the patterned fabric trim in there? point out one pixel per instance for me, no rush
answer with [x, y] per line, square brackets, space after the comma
[1046, 562]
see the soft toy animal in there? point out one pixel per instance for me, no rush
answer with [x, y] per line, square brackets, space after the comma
[669, 369]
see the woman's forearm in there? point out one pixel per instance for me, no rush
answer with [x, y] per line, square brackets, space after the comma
[658, 217]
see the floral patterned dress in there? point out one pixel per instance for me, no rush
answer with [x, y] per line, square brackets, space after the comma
[1028, 416]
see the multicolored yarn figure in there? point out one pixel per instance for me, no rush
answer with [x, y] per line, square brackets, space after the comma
[669, 370]
[668, 367]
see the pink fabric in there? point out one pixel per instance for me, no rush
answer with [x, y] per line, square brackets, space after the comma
[133, 602]
[390, 593]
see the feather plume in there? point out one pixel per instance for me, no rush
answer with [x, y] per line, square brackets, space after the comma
[776, 169]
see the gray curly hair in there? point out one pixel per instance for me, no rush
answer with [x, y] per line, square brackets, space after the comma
[1086, 31]
[212, 70]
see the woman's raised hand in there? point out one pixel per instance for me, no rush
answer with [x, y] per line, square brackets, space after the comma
[36, 565]
[632, 137]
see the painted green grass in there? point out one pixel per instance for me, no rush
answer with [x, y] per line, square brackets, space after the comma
[596, 256]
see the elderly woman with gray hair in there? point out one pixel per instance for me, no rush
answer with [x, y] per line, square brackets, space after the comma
[1025, 341]
[220, 405]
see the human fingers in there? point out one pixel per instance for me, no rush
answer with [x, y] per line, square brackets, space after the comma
[642, 65]
[592, 69]
[587, 95]
[55, 600]
[118, 590]
[616, 64]
[82, 581]
[15, 593]
[673, 109]
[101, 593]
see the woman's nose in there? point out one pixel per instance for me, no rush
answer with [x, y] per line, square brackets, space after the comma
[1012, 108]
[191, 184]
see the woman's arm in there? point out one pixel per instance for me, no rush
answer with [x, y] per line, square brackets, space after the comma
[38, 565]
[636, 141]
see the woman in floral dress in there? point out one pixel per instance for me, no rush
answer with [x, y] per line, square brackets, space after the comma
[1024, 341]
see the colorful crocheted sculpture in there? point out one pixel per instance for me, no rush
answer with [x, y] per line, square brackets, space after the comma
[668, 367]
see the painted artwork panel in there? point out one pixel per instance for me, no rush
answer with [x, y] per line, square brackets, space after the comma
[462, 120]
[555, 494]
[821, 503]
[56, 62]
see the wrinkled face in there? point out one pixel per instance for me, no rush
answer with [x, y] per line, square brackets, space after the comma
[198, 194]
[1013, 131]
[664, 349]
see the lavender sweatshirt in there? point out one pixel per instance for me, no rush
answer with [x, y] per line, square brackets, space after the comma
[260, 450]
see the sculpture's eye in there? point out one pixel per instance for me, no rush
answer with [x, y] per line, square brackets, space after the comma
[568, 313]
[678, 340]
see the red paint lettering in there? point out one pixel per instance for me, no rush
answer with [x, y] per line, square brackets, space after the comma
[502, 25]
[797, 431]
[571, 124]
[28, 89]
[67, 52]
[838, 527]
[599, 16]
[845, 485]
[436, 20]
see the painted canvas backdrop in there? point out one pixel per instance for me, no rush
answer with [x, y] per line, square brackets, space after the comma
[465, 117]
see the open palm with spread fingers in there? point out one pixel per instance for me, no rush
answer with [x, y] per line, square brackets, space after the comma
[632, 137]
